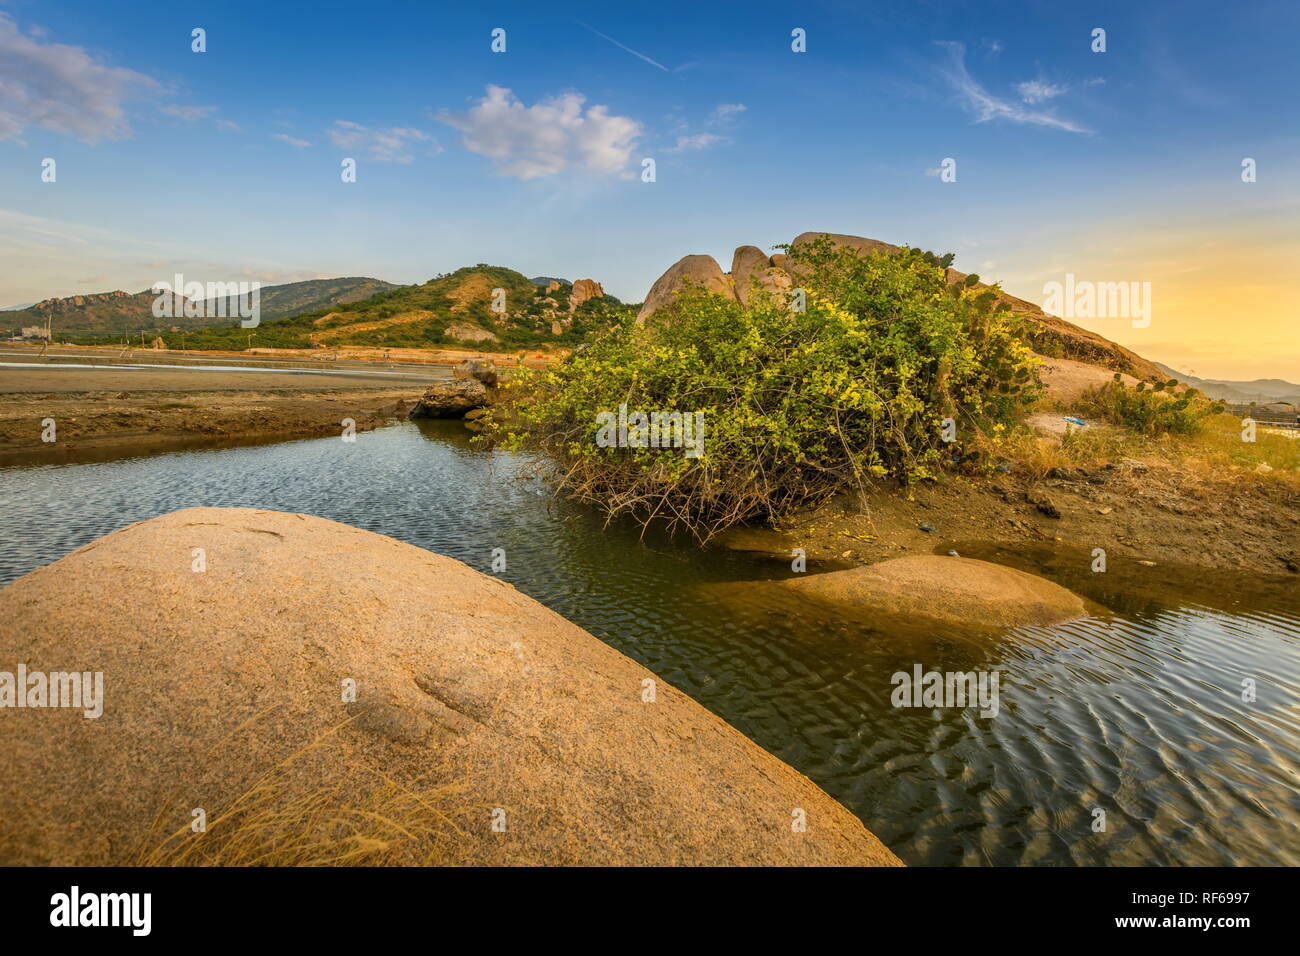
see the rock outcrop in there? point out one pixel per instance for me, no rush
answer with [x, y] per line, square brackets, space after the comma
[698, 270]
[1049, 334]
[451, 399]
[943, 588]
[485, 370]
[511, 734]
[583, 290]
[468, 332]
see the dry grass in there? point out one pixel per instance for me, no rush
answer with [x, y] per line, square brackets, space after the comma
[360, 818]
[1216, 453]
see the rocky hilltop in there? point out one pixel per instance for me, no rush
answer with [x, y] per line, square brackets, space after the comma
[319, 666]
[751, 266]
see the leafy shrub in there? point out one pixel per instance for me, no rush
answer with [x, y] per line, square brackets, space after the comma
[797, 406]
[1157, 409]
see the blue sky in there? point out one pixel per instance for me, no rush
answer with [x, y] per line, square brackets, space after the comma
[1122, 165]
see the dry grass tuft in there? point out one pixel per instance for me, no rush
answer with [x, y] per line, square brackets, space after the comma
[360, 818]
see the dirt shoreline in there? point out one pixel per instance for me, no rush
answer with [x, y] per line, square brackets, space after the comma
[102, 412]
[1133, 511]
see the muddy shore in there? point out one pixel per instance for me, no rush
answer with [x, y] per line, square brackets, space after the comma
[101, 412]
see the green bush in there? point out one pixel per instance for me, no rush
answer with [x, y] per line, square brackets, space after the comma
[797, 405]
[1157, 409]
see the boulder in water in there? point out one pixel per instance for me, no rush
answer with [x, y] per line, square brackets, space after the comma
[313, 673]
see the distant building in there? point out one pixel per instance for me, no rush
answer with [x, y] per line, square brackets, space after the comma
[36, 332]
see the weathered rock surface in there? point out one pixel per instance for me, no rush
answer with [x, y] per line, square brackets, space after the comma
[484, 370]
[954, 590]
[583, 290]
[748, 265]
[467, 332]
[451, 399]
[696, 270]
[467, 692]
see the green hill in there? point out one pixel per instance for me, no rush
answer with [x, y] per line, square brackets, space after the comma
[452, 310]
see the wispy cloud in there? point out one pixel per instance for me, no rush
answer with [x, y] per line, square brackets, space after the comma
[626, 49]
[548, 137]
[720, 120]
[188, 114]
[697, 141]
[725, 111]
[392, 145]
[57, 87]
[985, 106]
[293, 141]
[1039, 91]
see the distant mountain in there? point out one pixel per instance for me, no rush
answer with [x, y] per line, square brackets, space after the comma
[547, 280]
[15, 308]
[482, 306]
[117, 312]
[1255, 390]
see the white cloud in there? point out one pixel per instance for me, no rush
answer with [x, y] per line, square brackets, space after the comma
[291, 140]
[188, 113]
[548, 137]
[724, 111]
[1039, 91]
[57, 87]
[985, 106]
[392, 145]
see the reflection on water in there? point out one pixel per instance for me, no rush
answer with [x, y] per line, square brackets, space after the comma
[1139, 715]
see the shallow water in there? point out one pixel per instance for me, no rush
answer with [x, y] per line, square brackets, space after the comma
[1138, 714]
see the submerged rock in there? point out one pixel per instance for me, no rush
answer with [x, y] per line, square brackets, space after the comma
[451, 399]
[944, 588]
[526, 739]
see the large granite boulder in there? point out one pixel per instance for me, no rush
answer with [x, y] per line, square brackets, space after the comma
[698, 271]
[451, 399]
[749, 265]
[316, 688]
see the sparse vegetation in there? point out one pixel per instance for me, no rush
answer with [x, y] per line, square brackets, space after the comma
[1156, 410]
